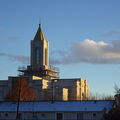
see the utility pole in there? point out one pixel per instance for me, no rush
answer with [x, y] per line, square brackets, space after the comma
[53, 89]
[18, 100]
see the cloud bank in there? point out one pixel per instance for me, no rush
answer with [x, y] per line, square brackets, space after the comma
[19, 58]
[87, 51]
[110, 34]
[13, 38]
[90, 51]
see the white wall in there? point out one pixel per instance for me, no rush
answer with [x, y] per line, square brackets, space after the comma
[51, 115]
[7, 116]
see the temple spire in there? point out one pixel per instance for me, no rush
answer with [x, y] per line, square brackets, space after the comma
[39, 35]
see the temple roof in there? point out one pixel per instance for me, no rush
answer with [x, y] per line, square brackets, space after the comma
[39, 35]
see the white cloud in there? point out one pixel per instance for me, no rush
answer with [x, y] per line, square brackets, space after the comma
[93, 52]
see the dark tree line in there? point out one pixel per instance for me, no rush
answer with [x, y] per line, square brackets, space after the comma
[114, 114]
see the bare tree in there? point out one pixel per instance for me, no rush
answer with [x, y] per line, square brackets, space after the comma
[117, 89]
[98, 96]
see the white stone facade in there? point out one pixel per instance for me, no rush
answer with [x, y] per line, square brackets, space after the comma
[56, 89]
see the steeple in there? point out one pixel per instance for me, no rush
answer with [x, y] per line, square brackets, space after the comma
[39, 35]
[39, 65]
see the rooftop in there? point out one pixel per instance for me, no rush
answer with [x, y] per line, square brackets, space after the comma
[59, 106]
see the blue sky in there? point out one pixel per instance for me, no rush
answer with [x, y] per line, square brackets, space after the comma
[84, 38]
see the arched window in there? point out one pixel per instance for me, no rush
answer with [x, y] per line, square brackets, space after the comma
[37, 55]
[46, 57]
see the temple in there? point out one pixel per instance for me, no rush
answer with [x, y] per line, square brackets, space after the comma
[40, 81]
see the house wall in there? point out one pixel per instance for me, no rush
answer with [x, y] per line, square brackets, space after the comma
[93, 116]
[38, 115]
[52, 115]
[7, 115]
[70, 116]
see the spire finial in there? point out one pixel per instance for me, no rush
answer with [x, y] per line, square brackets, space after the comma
[40, 22]
[39, 35]
[39, 25]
